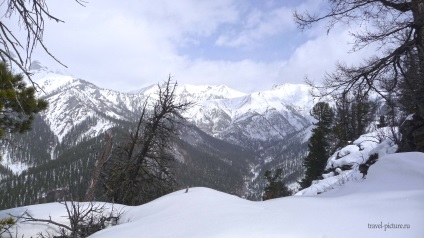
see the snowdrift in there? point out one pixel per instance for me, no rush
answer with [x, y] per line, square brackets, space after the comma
[389, 203]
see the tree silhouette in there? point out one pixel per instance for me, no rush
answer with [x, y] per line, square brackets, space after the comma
[140, 167]
[31, 15]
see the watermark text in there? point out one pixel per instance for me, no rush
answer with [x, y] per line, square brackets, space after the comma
[388, 225]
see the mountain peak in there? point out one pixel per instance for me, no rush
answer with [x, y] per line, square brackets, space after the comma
[207, 92]
[196, 92]
[290, 86]
[49, 81]
[296, 94]
[146, 90]
[37, 66]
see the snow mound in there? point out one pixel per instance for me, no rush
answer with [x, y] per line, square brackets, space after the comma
[391, 197]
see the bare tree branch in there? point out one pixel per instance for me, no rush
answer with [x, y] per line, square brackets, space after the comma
[31, 15]
[397, 26]
[84, 219]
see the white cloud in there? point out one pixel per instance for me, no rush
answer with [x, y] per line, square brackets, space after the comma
[245, 75]
[319, 55]
[125, 45]
[258, 25]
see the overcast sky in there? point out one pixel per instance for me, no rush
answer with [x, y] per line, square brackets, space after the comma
[248, 45]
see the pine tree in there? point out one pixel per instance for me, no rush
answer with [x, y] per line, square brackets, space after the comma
[363, 113]
[275, 186]
[342, 118]
[319, 144]
[353, 114]
[18, 103]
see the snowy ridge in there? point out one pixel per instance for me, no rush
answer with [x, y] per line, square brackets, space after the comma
[297, 95]
[207, 92]
[73, 105]
[264, 116]
[196, 93]
[72, 101]
[48, 81]
[386, 204]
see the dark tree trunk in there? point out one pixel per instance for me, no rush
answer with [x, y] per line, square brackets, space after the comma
[412, 130]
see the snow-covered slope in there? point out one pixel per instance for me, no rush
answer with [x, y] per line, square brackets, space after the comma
[386, 204]
[73, 101]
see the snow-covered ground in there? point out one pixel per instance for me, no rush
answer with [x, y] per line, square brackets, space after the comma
[388, 203]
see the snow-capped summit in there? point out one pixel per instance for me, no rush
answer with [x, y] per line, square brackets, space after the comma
[146, 90]
[295, 94]
[37, 66]
[264, 116]
[207, 92]
[48, 79]
[195, 93]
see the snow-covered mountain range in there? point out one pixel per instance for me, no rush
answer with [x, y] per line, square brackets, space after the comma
[259, 130]
[262, 117]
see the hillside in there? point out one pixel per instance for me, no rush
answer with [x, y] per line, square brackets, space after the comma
[386, 204]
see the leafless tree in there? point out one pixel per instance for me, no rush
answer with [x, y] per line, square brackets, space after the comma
[31, 17]
[140, 168]
[101, 160]
[84, 219]
[397, 27]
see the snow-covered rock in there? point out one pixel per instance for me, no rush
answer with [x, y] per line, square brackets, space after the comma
[351, 156]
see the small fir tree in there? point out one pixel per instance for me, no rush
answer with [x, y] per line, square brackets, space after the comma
[354, 112]
[319, 143]
[275, 187]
